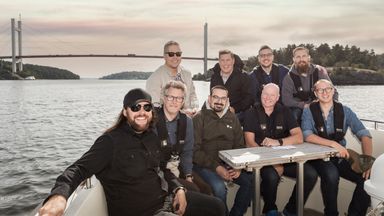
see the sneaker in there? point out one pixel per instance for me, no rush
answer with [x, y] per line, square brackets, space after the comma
[286, 213]
[272, 213]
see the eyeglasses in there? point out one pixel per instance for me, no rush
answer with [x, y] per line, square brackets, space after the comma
[137, 107]
[267, 55]
[322, 90]
[173, 98]
[171, 54]
[217, 98]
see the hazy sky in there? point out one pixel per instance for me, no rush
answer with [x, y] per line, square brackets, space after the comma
[142, 27]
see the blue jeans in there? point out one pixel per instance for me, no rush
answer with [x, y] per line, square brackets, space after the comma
[330, 172]
[270, 181]
[243, 195]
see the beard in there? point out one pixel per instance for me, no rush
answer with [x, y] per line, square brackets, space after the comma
[218, 107]
[302, 67]
[139, 127]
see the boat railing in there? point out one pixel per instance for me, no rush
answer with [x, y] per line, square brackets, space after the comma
[376, 124]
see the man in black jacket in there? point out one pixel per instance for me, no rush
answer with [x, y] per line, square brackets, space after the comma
[230, 75]
[126, 160]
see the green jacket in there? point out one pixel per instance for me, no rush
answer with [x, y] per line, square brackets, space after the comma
[213, 134]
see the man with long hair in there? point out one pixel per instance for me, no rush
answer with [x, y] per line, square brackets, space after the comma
[126, 160]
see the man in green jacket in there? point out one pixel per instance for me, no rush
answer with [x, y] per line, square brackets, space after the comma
[216, 128]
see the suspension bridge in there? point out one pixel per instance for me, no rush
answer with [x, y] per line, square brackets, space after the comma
[17, 55]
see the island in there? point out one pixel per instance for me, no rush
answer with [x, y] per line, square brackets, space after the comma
[31, 71]
[128, 75]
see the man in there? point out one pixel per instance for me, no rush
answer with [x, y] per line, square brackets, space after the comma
[175, 130]
[126, 160]
[325, 123]
[237, 83]
[266, 72]
[216, 128]
[172, 70]
[272, 124]
[297, 87]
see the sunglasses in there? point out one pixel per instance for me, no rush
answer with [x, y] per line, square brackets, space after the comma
[137, 107]
[171, 54]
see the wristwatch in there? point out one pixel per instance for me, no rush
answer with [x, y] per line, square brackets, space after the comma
[280, 142]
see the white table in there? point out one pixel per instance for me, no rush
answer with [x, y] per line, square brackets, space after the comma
[253, 159]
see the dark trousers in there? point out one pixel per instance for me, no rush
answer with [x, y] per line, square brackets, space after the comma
[270, 181]
[329, 172]
[201, 204]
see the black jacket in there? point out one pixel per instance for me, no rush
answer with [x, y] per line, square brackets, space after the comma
[127, 164]
[238, 85]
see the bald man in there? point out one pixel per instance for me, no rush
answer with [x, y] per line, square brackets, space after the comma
[271, 124]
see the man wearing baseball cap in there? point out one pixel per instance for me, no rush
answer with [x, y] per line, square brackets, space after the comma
[126, 160]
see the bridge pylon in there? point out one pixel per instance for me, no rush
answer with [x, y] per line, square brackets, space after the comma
[17, 63]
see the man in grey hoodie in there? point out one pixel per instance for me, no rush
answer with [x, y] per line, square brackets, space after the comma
[297, 87]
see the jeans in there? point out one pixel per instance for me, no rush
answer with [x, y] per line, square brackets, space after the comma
[243, 195]
[329, 172]
[270, 181]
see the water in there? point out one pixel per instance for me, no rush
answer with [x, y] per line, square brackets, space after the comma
[46, 125]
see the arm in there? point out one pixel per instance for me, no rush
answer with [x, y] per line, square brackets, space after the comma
[90, 163]
[153, 87]
[250, 139]
[287, 91]
[238, 134]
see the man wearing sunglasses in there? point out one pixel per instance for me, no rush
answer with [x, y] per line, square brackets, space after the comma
[126, 160]
[325, 122]
[172, 70]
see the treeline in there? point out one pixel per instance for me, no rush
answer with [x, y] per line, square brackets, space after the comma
[325, 55]
[346, 65]
[129, 75]
[39, 72]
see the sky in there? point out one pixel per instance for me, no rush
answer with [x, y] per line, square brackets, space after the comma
[143, 27]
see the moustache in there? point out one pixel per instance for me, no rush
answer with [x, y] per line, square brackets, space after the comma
[219, 104]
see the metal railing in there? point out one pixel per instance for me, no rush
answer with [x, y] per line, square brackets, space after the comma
[375, 123]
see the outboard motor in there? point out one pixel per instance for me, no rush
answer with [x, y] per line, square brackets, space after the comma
[375, 187]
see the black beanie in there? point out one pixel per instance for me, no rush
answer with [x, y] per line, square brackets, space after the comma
[135, 96]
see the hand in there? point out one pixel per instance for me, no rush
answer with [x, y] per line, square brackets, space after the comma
[367, 174]
[179, 202]
[190, 112]
[343, 152]
[55, 206]
[270, 142]
[223, 172]
[232, 109]
[189, 179]
[279, 169]
[234, 174]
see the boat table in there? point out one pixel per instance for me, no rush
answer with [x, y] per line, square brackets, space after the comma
[253, 159]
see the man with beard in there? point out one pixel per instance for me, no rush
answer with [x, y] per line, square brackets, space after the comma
[126, 160]
[233, 79]
[216, 128]
[272, 124]
[266, 72]
[172, 70]
[325, 122]
[297, 87]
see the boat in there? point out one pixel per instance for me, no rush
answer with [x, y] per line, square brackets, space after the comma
[30, 78]
[89, 197]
